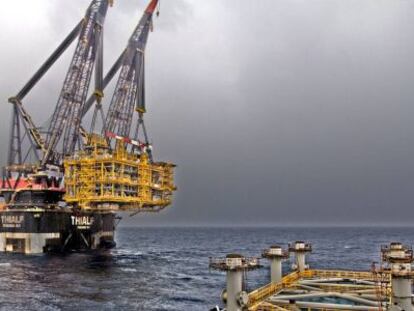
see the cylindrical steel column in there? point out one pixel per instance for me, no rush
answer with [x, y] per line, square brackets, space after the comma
[401, 293]
[275, 270]
[234, 287]
[300, 249]
[275, 254]
[235, 266]
[399, 259]
[300, 261]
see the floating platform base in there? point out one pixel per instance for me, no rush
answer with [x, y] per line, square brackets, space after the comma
[385, 287]
[38, 231]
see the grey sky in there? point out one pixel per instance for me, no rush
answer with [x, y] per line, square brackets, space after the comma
[276, 112]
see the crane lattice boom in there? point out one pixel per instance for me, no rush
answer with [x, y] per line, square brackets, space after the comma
[129, 91]
[66, 118]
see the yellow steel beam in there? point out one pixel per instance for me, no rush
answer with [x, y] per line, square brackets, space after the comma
[97, 178]
[258, 296]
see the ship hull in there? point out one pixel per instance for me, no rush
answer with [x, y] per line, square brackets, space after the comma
[36, 232]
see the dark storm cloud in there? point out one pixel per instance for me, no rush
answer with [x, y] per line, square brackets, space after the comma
[275, 111]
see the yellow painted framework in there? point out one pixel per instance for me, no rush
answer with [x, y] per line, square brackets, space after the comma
[99, 179]
[257, 298]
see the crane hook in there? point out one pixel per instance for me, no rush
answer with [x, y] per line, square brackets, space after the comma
[158, 8]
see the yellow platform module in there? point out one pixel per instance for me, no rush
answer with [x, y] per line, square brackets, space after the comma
[100, 179]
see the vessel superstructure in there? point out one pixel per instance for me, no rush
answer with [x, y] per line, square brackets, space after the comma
[61, 188]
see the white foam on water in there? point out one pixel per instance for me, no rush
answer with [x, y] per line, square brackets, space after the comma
[128, 269]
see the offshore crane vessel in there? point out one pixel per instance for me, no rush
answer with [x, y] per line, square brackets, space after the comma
[61, 188]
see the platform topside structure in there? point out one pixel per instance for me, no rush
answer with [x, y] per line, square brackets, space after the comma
[63, 183]
[118, 181]
[385, 286]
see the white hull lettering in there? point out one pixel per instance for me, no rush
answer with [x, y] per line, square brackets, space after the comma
[82, 221]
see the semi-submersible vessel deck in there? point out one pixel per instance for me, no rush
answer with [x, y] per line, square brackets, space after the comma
[63, 186]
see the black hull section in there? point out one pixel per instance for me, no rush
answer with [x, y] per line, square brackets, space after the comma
[34, 232]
